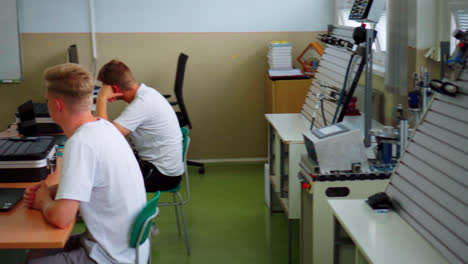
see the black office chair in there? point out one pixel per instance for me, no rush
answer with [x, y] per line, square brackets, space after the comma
[182, 115]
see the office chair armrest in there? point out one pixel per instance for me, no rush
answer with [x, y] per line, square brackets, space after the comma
[167, 95]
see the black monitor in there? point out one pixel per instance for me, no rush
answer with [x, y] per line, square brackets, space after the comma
[73, 54]
[27, 116]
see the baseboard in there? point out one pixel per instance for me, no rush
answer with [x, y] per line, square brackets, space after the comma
[230, 160]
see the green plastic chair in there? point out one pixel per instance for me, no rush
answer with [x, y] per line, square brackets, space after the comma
[178, 200]
[142, 225]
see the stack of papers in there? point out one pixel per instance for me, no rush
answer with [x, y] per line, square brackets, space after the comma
[280, 55]
[285, 73]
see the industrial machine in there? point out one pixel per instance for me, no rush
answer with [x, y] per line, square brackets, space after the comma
[336, 148]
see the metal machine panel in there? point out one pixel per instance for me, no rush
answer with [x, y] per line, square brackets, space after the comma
[449, 184]
[306, 115]
[445, 200]
[308, 110]
[461, 101]
[444, 135]
[441, 120]
[331, 73]
[448, 109]
[325, 79]
[336, 151]
[456, 155]
[327, 107]
[432, 207]
[343, 32]
[335, 59]
[322, 78]
[338, 52]
[430, 184]
[427, 226]
[312, 94]
[333, 68]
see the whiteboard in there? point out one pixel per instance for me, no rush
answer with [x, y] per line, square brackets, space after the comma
[10, 52]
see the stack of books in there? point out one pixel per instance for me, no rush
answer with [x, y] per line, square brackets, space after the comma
[280, 55]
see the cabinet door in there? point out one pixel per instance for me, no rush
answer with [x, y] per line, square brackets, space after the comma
[289, 95]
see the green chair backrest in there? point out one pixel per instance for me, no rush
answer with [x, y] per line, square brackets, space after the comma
[147, 211]
[185, 133]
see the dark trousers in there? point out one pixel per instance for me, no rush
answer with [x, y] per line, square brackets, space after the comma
[154, 179]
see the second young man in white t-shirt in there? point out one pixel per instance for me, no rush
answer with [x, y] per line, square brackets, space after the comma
[151, 122]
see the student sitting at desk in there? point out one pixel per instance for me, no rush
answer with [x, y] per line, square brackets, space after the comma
[99, 176]
[151, 122]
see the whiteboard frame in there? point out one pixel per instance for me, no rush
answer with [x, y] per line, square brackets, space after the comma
[7, 79]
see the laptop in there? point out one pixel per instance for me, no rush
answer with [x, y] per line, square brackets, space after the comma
[9, 197]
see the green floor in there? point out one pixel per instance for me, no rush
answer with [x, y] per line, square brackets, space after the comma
[228, 221]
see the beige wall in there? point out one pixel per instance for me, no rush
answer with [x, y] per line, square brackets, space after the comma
[224, 85]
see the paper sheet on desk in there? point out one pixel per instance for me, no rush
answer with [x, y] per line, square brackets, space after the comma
[289, 72]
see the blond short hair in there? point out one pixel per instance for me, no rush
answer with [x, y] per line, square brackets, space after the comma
[73, 83]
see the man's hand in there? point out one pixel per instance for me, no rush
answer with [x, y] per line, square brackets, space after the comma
[60, 213]
[30, 194]
[42, 197]
[107, 93]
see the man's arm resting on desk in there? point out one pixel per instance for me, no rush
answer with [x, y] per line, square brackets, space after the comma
[60, 213]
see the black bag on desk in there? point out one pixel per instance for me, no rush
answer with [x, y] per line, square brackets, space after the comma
[26, 159]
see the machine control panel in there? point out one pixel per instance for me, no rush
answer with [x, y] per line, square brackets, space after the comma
[328, 131]
[367, 10]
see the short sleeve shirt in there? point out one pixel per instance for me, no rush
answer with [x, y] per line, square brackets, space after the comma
[154, 130]
[100, 171]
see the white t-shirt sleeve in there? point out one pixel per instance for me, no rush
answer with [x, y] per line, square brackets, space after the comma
[133, 115]
[78, 171]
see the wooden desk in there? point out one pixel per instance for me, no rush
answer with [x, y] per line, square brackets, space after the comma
[381, 238]
[26, 228]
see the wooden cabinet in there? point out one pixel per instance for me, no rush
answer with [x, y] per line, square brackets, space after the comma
[286, 96]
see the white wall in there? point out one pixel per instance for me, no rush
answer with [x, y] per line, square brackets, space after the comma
[58, 16]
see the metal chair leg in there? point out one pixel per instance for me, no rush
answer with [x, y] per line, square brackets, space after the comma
[185, 226]
[176, 212]
[149, 242]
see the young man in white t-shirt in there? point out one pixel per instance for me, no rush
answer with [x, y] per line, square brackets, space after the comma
[99, 176]
[151, 122]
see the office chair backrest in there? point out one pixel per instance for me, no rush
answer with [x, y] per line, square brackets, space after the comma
[178, 86]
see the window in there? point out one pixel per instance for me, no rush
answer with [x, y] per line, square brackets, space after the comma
[380, 44]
